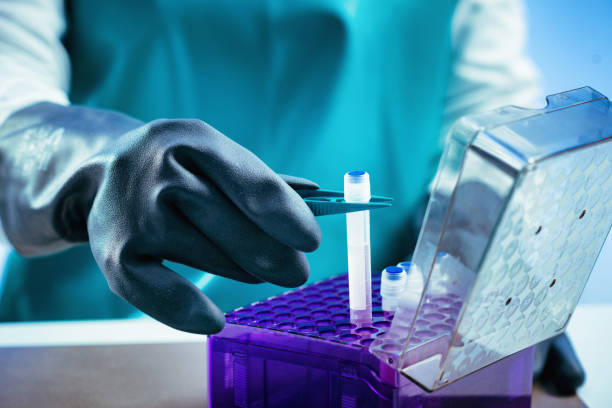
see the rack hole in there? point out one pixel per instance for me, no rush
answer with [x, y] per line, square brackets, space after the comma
[553, 283]
[538, 230]
[582, 214]
[508, 301]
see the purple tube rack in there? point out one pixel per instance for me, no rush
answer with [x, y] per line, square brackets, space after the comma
[301, 350]
[318, 311]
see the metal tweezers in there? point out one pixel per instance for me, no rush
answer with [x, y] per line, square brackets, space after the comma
[326, 202]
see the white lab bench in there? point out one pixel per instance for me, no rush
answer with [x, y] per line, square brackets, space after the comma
[139, 362]
[107, 363]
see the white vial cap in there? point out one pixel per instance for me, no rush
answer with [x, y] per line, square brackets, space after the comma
[357, 187]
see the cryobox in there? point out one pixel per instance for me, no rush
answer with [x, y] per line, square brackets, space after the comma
[520, 209]
[301, 350]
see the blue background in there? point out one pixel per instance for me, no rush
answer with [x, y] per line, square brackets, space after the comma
[571, 43]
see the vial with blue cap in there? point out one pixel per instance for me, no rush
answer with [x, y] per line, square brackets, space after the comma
[357, 190]
[392, 286]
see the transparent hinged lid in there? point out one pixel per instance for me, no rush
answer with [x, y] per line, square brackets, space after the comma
[520, 209]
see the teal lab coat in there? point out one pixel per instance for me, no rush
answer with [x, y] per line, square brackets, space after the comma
[313, 87]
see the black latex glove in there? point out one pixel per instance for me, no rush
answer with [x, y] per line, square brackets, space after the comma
[141, 193]
[556, 366]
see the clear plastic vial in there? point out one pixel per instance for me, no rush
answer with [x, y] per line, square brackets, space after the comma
[414, 284]
[413, 290]
[357, 190]
[392, 286]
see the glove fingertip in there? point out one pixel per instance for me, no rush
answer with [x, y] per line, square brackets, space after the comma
[312, 239]
[205, 321]
[299, 183]
[215, 326]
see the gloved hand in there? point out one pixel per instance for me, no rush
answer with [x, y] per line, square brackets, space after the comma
[174, 190]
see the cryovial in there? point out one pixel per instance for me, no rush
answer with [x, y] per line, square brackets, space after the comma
[392, 286]
[357, 190]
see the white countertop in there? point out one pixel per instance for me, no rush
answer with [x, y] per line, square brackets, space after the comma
[92, 332]
[590, 330]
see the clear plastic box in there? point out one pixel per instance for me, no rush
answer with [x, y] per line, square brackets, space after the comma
[520, 210]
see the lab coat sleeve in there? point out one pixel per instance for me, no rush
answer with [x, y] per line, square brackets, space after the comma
[34, 64]
[490, 67]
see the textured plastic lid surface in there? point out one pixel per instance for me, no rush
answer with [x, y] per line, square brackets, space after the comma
[521, 207]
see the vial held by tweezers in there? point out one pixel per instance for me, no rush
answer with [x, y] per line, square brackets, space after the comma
[357, 190]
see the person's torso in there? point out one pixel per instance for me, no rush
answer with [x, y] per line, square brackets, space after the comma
[315, 88]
